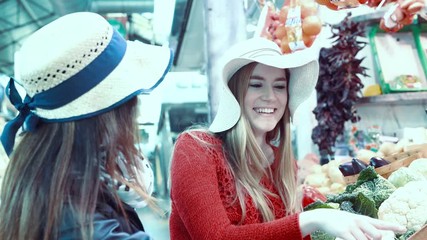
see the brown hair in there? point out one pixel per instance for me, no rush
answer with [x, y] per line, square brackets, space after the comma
[58, 166]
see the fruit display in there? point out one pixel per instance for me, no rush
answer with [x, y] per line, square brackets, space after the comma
[294, 26]
[399, 14]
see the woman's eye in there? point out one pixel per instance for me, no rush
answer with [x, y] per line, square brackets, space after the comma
[255, 85]
[280, 87]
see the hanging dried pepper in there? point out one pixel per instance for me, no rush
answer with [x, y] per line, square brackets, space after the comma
[339, 85]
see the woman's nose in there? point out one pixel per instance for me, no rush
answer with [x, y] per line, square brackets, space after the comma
[268, 93]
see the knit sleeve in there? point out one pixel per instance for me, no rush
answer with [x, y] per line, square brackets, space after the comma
[196, 201]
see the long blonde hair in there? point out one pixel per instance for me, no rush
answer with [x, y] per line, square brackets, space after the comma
[247, 161]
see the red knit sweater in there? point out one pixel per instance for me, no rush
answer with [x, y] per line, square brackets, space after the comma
[203, 192]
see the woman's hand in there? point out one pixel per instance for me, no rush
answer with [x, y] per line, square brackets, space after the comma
[345, 225]
[401, 14]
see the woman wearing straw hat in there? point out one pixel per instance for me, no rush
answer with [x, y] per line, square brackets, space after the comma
[76, 173]
[237, 180]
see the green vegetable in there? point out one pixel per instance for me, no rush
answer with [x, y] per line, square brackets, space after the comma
[363, 197]
[347, 206]
[365, 206]
[356, 202]
[406, 235]
[320, 235]
[403, 175]
[372, 185]
[319, 204]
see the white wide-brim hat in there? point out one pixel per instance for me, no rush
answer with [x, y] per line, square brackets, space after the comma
[79, 66]
[303, 67]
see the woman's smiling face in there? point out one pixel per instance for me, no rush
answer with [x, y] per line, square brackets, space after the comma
[266, 98]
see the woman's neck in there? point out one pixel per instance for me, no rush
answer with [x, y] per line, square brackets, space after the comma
[266, 148]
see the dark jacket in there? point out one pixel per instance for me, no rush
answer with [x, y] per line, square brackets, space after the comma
[108, 223]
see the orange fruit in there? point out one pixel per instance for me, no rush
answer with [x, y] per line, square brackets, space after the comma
[280, 31]
[311, 25]
[308, 40]
[278, 42]
[331, 6]
[283, 14]
[285, 46]
[323, 2]
[308, 8]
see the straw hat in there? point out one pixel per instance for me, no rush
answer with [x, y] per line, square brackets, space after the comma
[77, 67]
[303, 67]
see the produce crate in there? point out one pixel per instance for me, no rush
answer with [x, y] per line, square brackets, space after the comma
[397, 161]
[399, 59]
[420, 234]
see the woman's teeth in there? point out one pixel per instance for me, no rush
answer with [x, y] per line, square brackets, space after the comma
[264, 110]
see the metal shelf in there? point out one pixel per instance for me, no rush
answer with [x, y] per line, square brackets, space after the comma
[408, 98]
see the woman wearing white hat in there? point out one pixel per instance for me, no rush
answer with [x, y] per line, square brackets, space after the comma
[238, 179]
[76, 173]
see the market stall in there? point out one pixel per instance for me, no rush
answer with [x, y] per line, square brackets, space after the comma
[363, 165]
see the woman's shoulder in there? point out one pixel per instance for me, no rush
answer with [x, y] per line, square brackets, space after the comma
[197, 146]
[203, 137]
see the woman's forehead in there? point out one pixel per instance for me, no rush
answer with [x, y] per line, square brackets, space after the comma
[262, 71]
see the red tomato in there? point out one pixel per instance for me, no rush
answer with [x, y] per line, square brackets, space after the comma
[311, 194]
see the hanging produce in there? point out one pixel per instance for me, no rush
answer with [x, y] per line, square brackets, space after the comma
[339, 85]
[399, 14]
[293, 27]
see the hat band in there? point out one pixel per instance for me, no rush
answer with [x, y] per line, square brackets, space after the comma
[62, 94]
[85, 79]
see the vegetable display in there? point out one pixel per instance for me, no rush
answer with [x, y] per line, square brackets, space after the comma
[339, 85]
[378, 162]
[356, 165]
[311, 195]
[373, 195]
[419, 165]
[406, 206]
[404, 175]
[327, 179]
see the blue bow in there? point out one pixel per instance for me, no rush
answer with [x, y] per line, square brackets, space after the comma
[26, 119]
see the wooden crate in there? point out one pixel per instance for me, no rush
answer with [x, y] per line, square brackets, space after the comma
[397, 161]
[420, 234]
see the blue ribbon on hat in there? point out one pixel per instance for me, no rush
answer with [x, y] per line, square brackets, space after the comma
[63, 93]
[25, 117]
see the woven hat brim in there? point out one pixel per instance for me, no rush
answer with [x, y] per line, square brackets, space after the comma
[304, 71]
[142, 68]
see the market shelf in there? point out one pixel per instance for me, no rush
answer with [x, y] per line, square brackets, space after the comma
[409, 98]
